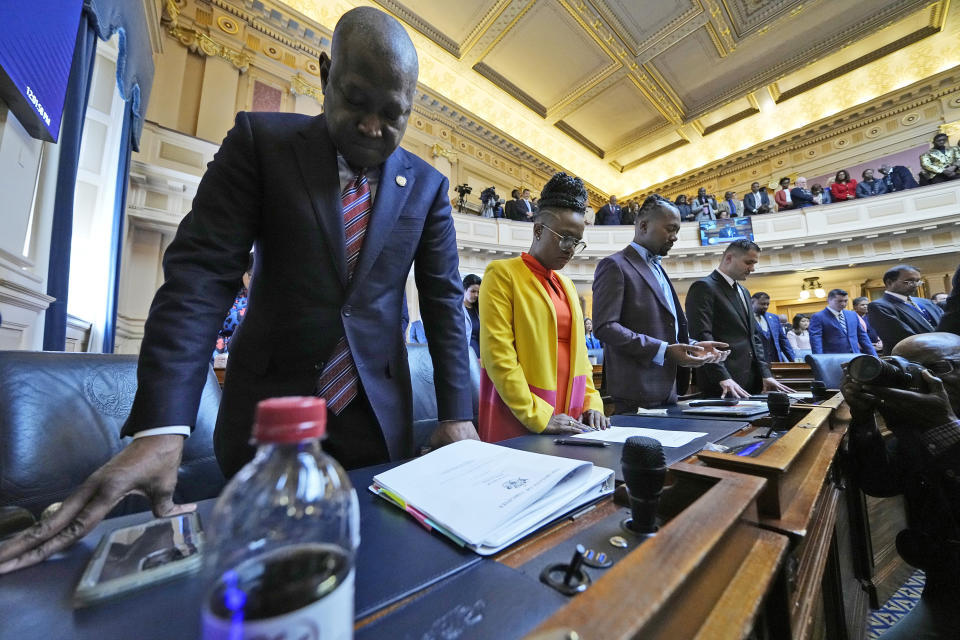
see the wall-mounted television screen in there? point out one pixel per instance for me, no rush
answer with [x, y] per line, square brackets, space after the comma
[725, 230]
[36, 51]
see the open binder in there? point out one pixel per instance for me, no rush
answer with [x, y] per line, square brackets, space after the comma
[486, 497]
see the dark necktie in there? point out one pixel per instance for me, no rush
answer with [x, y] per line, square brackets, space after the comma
[339, 383]
[842, 321]
[923, 312]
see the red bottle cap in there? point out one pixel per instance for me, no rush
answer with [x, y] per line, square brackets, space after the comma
[290, 419]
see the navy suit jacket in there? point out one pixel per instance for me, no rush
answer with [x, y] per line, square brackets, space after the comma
[826, 336]
[779, 338]
[631, 317]
[608, 215]
[894, 319]
[756, 200]
[274, 185]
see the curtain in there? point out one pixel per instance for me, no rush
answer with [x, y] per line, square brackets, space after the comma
[61, 234]
[101, 18]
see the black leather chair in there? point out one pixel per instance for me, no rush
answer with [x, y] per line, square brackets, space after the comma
[60, 419]
[425, 395]
[826, 367]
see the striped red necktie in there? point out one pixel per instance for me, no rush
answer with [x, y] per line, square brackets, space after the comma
[340, 382]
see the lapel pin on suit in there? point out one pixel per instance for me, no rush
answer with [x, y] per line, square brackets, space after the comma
[402, 181]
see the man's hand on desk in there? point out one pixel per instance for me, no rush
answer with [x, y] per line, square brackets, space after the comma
[772, 384]
[148, 466]
[730, 389]
[451, 431]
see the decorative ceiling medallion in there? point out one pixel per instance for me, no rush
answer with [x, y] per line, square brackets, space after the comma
[910, 118]
[271, 51]
[228, 25]
[312, 67]
[873, 132]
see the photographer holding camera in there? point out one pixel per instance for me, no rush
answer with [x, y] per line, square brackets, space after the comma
[917, 392]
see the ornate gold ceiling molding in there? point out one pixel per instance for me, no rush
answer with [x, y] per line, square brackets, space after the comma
[650, 156]
[513, 90]
[928, 91]
[579, 137]
[882, 18]
[294, 41]
[666, 33]
[299, 86]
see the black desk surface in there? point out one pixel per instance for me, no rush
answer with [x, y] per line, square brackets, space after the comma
[609, 457]
[396, 558]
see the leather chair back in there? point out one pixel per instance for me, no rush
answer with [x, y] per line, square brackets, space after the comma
[826, 367]
[425, 395]
[60, 419]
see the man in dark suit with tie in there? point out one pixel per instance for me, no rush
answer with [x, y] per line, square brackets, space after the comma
[337, 213]
[899, 314]
[776, 348]
[718, 309]
[836, 330]
[638, 316]
[609, 213]
[861, 305]
[757, 201]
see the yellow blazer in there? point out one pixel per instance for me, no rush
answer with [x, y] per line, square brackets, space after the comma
[518, 353]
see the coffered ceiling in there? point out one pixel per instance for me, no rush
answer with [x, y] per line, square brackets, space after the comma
[626, 81]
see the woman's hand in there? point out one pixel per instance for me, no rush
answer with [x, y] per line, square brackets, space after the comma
[595, 419]
[562, 424]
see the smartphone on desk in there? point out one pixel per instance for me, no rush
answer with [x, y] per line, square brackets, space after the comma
[135, 557]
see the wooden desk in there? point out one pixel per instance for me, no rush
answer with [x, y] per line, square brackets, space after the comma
[796, 375]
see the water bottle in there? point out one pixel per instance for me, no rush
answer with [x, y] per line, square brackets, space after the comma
[280, 546]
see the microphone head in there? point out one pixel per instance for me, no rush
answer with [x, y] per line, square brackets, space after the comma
[778, 404]
[644, 466]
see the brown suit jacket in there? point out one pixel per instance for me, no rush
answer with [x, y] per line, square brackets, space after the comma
[632, 318]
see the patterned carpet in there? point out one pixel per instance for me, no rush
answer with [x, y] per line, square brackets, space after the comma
[899, 605]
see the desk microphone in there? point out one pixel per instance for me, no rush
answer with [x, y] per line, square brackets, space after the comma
[778, 404]
[644, 469]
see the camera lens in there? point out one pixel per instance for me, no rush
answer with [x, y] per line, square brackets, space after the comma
[865, 369]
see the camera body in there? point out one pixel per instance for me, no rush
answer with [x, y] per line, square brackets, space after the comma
[890, 371]
[463, 189]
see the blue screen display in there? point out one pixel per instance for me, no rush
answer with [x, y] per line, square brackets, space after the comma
[37, 39]
[725, 230]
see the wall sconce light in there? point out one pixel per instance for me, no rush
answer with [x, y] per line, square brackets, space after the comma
[812, 284]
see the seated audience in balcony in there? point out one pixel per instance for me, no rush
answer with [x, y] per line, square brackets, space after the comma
[609, 214]
[593, 342]
[940, 163]
[704, 207]
[899, 314]
[756, 201]
[683, 206]
[731, 205]
[537, 377]
[776, 347]
[800, 195]
[836, 330]
[861, 305]
[870, 186]
[897, 178]
[820, 195]
[628, 214]
[782, 195]
[799, 336]
[844, 187]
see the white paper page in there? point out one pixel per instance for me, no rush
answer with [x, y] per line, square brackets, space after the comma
[620, 434]
[473, 487]
[552, 506]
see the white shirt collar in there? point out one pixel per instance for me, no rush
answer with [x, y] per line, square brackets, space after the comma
[730, 281]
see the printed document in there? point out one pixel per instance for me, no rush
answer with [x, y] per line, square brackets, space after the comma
[620, 434]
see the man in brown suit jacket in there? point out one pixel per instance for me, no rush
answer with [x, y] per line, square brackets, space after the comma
[637, 315]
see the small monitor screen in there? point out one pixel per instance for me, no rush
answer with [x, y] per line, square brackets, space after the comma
[725, 230]
[36, 52]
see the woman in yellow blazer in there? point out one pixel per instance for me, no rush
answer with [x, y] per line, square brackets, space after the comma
[536, 374]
